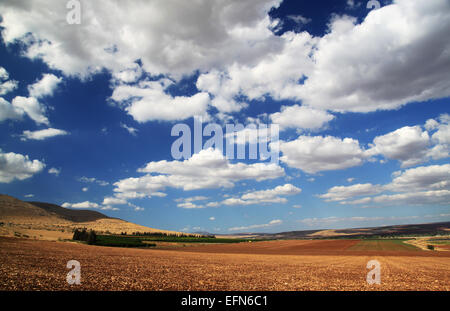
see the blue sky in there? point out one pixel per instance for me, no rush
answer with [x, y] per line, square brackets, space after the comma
[361, 97]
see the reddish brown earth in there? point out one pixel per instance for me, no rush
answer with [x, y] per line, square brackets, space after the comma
[41, 265]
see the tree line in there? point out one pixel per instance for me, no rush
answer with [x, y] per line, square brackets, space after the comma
[83, 235]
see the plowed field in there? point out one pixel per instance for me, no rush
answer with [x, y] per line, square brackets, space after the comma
[277, 265]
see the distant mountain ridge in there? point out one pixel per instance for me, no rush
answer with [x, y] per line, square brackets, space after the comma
[70, 214]
[394, 230]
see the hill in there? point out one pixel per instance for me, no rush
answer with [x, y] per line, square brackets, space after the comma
[51, 222]
[70, 214]
[385, 231]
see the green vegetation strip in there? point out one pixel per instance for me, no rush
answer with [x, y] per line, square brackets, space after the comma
[383, 245]
[142, 241]
[119, 241]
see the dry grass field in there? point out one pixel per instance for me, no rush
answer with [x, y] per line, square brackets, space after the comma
[275, 265]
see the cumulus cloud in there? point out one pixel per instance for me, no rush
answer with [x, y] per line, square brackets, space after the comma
[179, 37]
[272, 223]
[206, 169]
[339, 193]
[6, 85]
[17, 166]
[412, 145]
[113, 201]
[274, 195]
[188, 202]
[313, 154]
[44, 87]
[424, 185]
[85, 204]
[42, 134]
[148, 101]
[88, 205]
[433, 177]
[31, 107]
[301, 117]
[408, 145]
[384, 62]
[8, 111]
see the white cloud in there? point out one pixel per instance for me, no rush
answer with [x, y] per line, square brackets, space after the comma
[133, 131]
[85, 189]
[192, 199]
[178, 37]
[29, 195]
[188, 202]
[31, 107]
[212, 218]
[412, 145]
[264, 196]
[313, 154]
[382, 63]
[113, 201]
[88, 205]
[276, 74]
[424, 185]
[407, 144]
[3, 74]
[128, 75]
[206, 169]
[272, 223]
[213, 204]
[43, 134]
[301, 117]
[93, 180]
[8, 111]
[299, 19]
[339, 193]
[397, 55]
[148, 101]
[85, 204]
[355, 220]
[44, 87]
[6, 86]
[17, 166]
[189, 205]
[438, 197]
[433, 177]
[55, 171]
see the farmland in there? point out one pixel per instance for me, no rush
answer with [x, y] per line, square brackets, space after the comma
[270, 265]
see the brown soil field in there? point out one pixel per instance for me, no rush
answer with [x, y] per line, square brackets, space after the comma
[41, 265]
